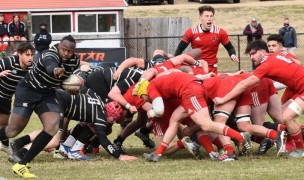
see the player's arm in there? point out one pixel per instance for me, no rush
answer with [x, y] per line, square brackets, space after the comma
[238, 89]
[204, 65]
[115, 95]
[51, 66]
[231, 51]
[5, 65]
[149, 74]
[184, 58]
[107, 145]
[180, 48]
[132, 61]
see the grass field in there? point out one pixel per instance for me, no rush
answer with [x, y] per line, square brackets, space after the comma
[180, 165]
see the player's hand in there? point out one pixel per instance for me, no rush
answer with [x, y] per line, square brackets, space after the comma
[116, 75]
[133, 109]
[58, 72]
[127, 158]
[218, 101]
[5, 73]
[85, 67]
[234, 58]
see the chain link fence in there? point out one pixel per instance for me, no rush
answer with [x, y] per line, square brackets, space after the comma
[143, 47]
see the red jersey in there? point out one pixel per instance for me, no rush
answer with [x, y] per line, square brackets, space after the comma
[208, 42]
[164, 66]
[170, 85]
[133, 100]
[282, 69]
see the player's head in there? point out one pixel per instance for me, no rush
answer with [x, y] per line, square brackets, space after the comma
[25, 52]
[257, 50]
[206, 16]
[275, 43]
[114, 112]
[67, 47]
[158, 59]
[141, 88]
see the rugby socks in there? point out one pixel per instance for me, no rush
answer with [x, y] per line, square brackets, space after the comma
[38, 145]
[24, 140]
[77, 146]
[84, 137]
[274, 126]
[228, 148]
[227, 131]
[205, 141]
[180, 144]
[161, 148]
[73, 136]
[3, 134]
[218, 143]
[298, 139]
[144, 130]
[5, 142]
[272, 134]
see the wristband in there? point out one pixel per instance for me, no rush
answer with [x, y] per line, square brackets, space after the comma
[128, 105]
[151, 113]
[196, 63]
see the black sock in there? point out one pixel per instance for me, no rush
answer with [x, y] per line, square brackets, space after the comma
[76, 131]
[119, 139]
[38, 145]
[21, 153]
[3, 134]
[86, 135]
[95, 142]
[5, 142]
[24, 140]
[270, 125]
[144, 130]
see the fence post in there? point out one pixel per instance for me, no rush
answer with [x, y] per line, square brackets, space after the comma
[239, 51]
[146, 45]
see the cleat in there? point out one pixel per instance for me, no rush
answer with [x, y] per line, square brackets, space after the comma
[149, 143]
[188, 144]
[152, 157]
[5, 149]
[214, 155]
[298, 153]
[58, 155]
[91, 149]
[245, 147]
[64, 150]
[22, 171]
[119, 147]
[15, 146]
[281, 142]
[228, 157]
[265, 145]
[78, 155]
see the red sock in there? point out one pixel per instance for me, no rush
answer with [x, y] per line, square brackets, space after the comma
[218, 143]
[281, 127]
[228, 148]
[205, 141]
[227, 131]
[298, 139]
[272, 134]
[161, 148]
[180, 144]
[257, 139]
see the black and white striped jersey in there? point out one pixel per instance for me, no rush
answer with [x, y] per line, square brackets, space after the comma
[38, 77]
[8, 84]
[101, 81]
[82, 107]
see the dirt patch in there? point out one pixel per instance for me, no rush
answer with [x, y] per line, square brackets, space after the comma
[232, 17]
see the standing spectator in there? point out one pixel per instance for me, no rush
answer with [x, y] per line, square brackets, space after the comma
[253, 30]
[42, 41]
[290, 37]
[16, 31]
[207, 37]
[3, 36]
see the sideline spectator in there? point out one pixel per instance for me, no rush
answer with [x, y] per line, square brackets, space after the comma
[290, 36]
[207, 37]
[16, 31]
[253, 30]
[3, 35]
[42, 41]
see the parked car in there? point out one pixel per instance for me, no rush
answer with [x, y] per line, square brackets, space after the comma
[140, 2]
[210, 1]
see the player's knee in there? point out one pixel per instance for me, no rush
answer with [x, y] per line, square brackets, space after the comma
[220, 116]
[10, 132]
[51, 127]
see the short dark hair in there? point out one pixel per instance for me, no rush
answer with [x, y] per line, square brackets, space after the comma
[1, 14]
[16, 14]
[256, 45]
[69, 38]
[276, 37]
[206, 8]
[25, 46]
[43, 24]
